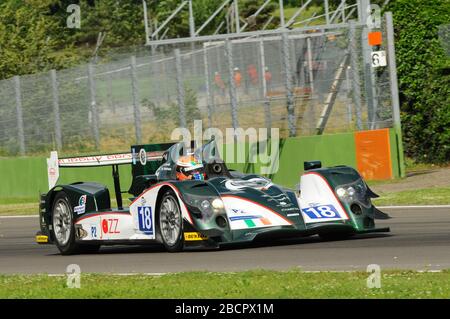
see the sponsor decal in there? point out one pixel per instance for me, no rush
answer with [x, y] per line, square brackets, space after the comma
[233, 218]
[194, 236]
[93, 231]
[290, 209]
[99, 159]
[109, 226]
[143, 156]
[133, 156]
[237, 211]
[281, 200]
[52, 171]
[81, 208]
[145, 218]
[293, 214]
[321, 212]
[256, 183]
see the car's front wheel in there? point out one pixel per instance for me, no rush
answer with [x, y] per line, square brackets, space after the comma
[64, 230]
[171, 222]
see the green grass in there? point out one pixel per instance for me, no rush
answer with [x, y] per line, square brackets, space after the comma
[19, 206]
[428, 196]
[413, 166]
[249, 284]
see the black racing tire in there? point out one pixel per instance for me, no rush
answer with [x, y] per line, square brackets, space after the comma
[335, 236]
[68, 245]
[62, 221]
[169, 218]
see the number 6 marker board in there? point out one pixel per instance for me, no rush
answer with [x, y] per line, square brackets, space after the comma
[379, 59]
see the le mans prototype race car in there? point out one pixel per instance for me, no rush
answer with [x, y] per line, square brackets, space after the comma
[223, 207]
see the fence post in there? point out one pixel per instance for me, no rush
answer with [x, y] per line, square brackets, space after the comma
[348, 99]
[288, 84]
[94, 110]
[369, 80]
[233, 94]
[355, 75]
[109, 93]
[267, 111]
[56, 114]
[327, 11]
[394, 90]
[310, 64]
[20, 131]
[180, 89]
[136, 102]
[209, 100]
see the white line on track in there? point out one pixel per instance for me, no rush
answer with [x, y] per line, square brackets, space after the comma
[19, 216]
[118, 274]
[414, 207]
[157, 274]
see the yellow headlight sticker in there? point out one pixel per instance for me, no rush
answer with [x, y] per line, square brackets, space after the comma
[194, 236]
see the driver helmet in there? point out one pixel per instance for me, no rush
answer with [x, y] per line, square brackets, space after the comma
[189, 168]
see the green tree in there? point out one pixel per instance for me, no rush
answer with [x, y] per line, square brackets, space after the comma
[179, 26]
[29, 41]
[424, 80]
[249, 7]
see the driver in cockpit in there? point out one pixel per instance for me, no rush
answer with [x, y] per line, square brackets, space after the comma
[188, 167]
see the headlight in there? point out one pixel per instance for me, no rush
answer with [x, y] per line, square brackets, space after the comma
[217, 203]
[351, 191]
[341, 192]
[346, 193]
[355, 192]
[208, 206]
[205, 205]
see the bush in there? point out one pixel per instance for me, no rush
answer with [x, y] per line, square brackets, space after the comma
[424, 80]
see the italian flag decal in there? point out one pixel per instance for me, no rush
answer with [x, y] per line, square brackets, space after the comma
[262, 220]
[250, 223]
[246, 214]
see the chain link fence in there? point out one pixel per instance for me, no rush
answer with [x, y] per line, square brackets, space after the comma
[304, 82]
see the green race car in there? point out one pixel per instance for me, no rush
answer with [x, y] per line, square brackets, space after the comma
[215, 206]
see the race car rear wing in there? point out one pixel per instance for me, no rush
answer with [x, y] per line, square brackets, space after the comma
[114, 160]
[54, 163]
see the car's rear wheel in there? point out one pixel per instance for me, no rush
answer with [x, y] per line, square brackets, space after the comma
[171, 222]
[63, 228]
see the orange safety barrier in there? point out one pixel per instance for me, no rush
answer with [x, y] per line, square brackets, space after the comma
[373, 154]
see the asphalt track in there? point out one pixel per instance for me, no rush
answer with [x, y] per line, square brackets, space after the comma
[419, 239]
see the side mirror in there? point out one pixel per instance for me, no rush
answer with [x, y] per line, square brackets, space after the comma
[312, 165]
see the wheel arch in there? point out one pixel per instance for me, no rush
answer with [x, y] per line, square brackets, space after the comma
[161, 193]
[49, 200]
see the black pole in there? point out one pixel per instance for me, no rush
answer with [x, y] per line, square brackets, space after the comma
[115, 173]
